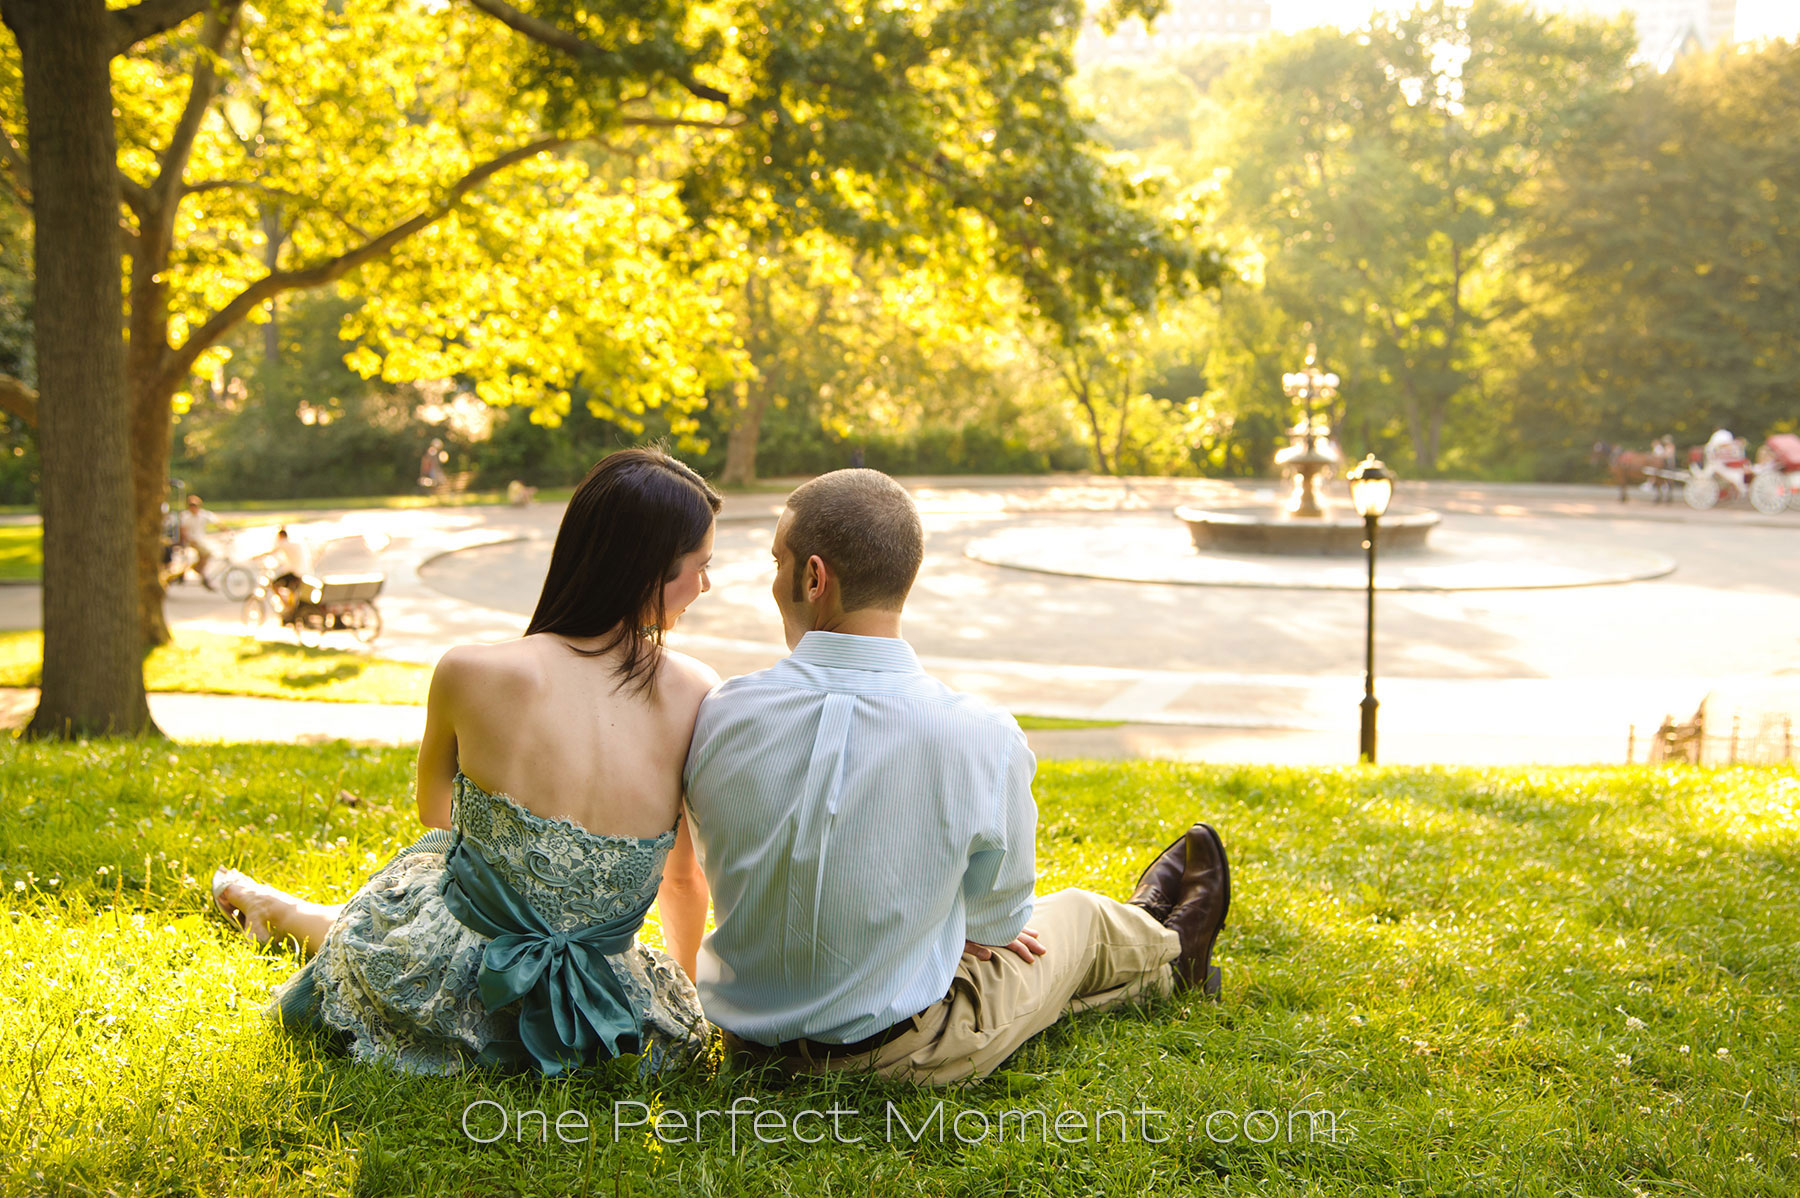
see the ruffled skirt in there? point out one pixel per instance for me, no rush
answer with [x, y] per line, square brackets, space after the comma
[395, 983]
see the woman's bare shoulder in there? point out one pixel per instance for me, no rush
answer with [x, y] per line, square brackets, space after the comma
[686, 679]
[504, 665]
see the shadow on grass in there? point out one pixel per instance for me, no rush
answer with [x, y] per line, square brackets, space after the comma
[257, 650]
[338, 673]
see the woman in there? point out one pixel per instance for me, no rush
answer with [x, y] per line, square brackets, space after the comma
[554, 762]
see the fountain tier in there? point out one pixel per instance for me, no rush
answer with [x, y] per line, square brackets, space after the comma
[1265, 529]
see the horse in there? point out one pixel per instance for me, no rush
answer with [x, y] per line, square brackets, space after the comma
[1628, 466]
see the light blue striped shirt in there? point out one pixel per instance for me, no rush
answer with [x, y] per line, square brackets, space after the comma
[857, 821]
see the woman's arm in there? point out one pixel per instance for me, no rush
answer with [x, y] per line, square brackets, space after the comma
[437, 748]
[681, 902]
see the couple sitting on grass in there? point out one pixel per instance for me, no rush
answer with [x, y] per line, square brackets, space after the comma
[866, 833]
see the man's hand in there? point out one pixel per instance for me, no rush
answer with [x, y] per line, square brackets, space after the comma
[1026, 946]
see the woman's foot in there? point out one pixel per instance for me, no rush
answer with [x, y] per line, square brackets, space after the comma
[247, 904]
[267, 915]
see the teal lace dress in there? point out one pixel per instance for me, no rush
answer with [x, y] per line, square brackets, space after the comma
[508, 941]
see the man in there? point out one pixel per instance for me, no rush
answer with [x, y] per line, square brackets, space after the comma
[431, 465]
[868, 835]
[193, 526]
[289, 564]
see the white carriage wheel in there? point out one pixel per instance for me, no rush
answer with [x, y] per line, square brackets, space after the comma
[237, 582]
[367, 621]
[1769, 494]
[1701, 493]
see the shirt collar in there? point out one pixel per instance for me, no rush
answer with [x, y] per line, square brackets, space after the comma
[841, 650]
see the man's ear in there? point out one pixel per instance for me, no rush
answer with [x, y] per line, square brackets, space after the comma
[818, 577]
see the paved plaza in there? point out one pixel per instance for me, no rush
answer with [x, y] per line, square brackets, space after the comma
[1551, 621]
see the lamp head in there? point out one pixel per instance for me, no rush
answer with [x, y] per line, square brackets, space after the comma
[1371, 487]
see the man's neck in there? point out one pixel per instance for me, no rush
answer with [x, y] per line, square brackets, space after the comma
[865, 621]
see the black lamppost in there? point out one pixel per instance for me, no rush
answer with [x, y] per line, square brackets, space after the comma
[1371, 487]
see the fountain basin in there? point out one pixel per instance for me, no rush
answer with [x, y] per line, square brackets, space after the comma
[1261, 529]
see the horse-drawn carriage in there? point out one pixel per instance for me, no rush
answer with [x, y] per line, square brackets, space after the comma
[1722, 470]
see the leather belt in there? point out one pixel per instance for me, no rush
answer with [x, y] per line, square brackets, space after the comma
[807, 1049]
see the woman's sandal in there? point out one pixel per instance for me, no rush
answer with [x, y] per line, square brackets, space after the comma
[235, 916]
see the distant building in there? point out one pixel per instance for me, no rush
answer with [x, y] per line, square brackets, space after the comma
[1183, 25]
[1666, 29]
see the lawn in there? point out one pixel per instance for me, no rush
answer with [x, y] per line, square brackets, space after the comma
[1054, 723]
[237, 513]
[21, 551]
[211, 663]
[1538, 982]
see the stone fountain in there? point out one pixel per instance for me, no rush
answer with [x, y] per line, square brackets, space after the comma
[1308, 523]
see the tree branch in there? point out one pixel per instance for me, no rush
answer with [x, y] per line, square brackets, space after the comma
[16, 399]
[180, 361]
[673, 122]
[189, 189]
[558, 38]
[135, 195]
[147, 19]
[172, 163]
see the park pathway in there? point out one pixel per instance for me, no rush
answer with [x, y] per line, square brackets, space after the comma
[1269, 674]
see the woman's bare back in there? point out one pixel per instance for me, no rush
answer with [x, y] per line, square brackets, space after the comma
[551, 729]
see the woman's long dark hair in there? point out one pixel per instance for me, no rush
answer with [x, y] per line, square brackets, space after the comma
[632, 519]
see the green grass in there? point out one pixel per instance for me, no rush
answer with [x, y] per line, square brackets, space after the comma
[210, 663]
[21, 552]
[1534, 982]
[268, 510]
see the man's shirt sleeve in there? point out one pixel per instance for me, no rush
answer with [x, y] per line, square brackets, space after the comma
[998, 885]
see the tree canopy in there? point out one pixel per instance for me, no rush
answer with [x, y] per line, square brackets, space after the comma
[461, 178]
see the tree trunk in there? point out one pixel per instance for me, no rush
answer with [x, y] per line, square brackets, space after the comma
[152, 420]
[1415, 427]
[1118, 453]
[1101, 465]
[746, 430]
[93, 681]
[1082, 387]
[755, 392]
[1435, 437]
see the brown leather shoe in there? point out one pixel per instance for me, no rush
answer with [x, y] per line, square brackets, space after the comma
[1200, 913]
[1159, 887]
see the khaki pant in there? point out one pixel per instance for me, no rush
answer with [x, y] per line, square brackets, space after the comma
[1099, 953]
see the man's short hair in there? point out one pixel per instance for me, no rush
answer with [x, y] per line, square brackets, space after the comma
[864, 526]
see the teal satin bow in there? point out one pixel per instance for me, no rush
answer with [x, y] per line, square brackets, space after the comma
[570, 1001]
